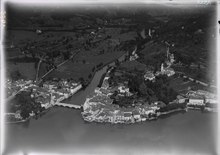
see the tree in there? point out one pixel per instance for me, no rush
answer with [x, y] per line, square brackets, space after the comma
[93, 69]
[15, 75]
[26, 104]
[199, 67]
[143, 89]
[81, 79]
[90, 76]
[24, 113]
[117, 62]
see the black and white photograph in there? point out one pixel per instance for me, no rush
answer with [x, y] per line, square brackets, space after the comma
[109, 78]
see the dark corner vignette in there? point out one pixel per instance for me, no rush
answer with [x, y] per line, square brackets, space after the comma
[128, 78]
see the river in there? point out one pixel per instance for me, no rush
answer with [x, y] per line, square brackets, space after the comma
[63, 131]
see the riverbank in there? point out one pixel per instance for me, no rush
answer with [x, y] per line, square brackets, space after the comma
[65, 128]
[30, 117]
[47, 96]
[99, 106]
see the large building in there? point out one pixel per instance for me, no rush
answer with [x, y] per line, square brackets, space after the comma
[167, 71]
[196, 100]
[149, 76]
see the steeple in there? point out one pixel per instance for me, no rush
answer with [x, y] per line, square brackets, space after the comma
[162, 68]
[168, 53]
[149, 33]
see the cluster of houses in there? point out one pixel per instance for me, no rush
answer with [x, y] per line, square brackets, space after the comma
[99, 107]
[166, 71]
[149, 75]
[199, 98]
[14, 86]
[50, 93]
[134, 55]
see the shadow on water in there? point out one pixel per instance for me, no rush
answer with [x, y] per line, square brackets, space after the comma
[26, 124]
[171, 114]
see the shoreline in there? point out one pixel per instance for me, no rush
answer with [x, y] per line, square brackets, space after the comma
[159, 115]
[25, 120]
[151, 118]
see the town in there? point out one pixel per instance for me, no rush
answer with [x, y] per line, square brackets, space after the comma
[122, 77]
[149, 71]
[114, 103]
[39, 98]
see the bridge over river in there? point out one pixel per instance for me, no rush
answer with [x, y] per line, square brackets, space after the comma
[68, 105]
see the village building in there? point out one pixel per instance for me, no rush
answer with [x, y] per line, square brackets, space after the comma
[38, 31]
[196, 100]
[159, 104]
[181, 99]
[124, 90]
[18, 114]
[136, 115]
[149, 76]
[167, 71]
[105, 83]
[172, 58]
[211, 100]
[127, 116]
[208, 97]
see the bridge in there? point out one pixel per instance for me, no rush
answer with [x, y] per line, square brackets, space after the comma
[68, 105]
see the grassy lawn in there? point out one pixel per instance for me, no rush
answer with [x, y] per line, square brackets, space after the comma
[181, 86]
[76, 68]
[133, 65]
[83, 63]
[27, 70]
[103, 51]
[199, 74]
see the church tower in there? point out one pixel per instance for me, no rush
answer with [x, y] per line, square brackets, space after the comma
[162, 68]
[168, 53]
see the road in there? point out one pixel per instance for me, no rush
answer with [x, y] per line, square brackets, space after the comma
[59, 65]
[29, 82]
[14, 94]
[197, 81]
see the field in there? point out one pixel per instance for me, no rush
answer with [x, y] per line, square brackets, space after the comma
[77, 68]
[182, 86]
[133, 65]
[27, 70]
[101, 39]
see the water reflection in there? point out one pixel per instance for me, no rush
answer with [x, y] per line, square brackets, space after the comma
[62, 130]
[54, 133]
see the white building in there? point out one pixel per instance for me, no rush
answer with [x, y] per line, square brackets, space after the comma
[143, 35]
[127, 116]
[38, 31]
[136, 115]
[181, 99]
[149, 76]
[196, 100]
[167, 71]
[74, 90]
[124, 90]
[211, 100]
[149, 111]
[105, 83]
[172, 58]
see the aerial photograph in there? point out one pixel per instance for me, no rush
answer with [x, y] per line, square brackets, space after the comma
[110, 78]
